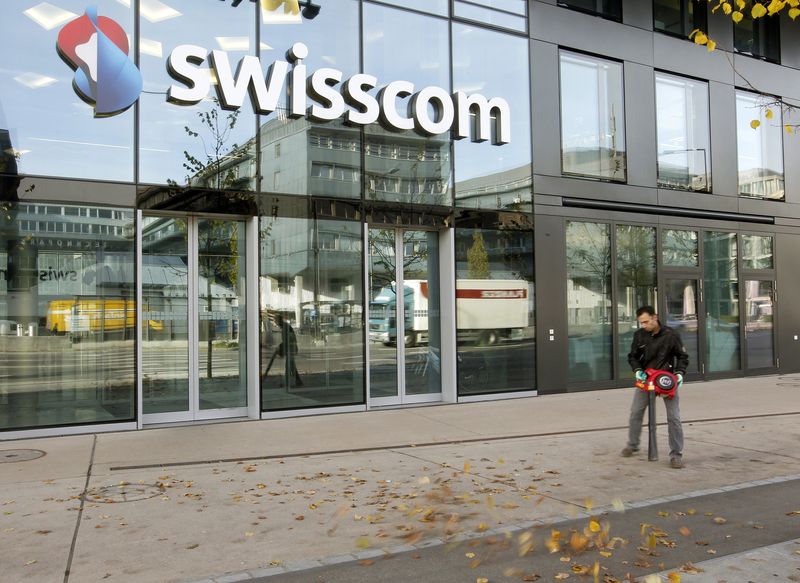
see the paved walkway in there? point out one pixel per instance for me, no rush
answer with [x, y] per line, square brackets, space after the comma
[230, 501]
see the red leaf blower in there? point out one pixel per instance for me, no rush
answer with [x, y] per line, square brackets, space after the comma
[663, 382]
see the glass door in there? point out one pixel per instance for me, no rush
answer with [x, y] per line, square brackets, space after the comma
[404, 317]
[759, 298]
[682, 297]
[193, 319]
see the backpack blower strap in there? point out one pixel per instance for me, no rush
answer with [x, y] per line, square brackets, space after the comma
[663, 382]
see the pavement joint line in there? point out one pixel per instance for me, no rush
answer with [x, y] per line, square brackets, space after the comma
[81, 507]
[502, 530]
[445, 442]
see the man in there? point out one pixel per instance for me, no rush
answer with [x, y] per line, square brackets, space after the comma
[658, 347]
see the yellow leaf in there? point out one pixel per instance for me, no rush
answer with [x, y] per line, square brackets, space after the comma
[700, 38]
[481, 580]
[740, 4]
[711, 45]
[594, 526]
[466, 467]
[674, 577]
[754, 124]
[726, 8]
[362, 542]
[789, 129]
[737, 16]
[562, 576]
[768, 114]
[794, 13]
[758, 10]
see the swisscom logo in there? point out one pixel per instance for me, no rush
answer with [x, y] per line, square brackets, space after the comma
[96, 47]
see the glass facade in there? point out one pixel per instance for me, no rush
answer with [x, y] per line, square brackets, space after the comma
[592, 117]
[759, 38]
[232, 241]
[684, 135]
[760, 148]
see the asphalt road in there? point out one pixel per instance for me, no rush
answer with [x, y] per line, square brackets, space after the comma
[665, 536]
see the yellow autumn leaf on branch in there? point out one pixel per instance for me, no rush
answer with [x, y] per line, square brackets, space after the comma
[768, 114]
[754, 124]
[737, 17]
[794, 13]
[711, 45]
[740, 4]
[726, 8]
[758, 11]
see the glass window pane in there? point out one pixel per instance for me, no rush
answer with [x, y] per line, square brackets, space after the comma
[681, 298]
[757, 251]
[679, 17]
[721, 286]
[311, 313]
[489, 16]
[202, 145]
[495, 311]
[684, 140]
[165, 315]
[759, 38]
[589, 301]
[592, 117]
[608, 8]
[67, 317]
[759, 324]
[48, 126]
[438, 7]
[404, 166]
[679, 248]
[488, 176]
[760, 150]
[332, 41]
[636, 284]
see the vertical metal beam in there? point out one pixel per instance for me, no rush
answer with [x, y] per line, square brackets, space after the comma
[252, 317]
[138, 336]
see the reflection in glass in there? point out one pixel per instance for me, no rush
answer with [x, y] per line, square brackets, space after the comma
[165, 315]
[499, 16]
[404, 166]
[201, 145]
[310, 276]
[67, 315]
[383, 313]
[589, 301]
[495, 311]
[757, 251]
[53, 131]
[759, 332]
[487, 176]
[422, 313]
[299, 156]
[611, 9]
[636, 284]
[679, 248]
[759, 38]
[680, 17]
[222, 312]
[721, 285]
[438, 7]
[684, 140]
[592, 117]
[760, 150]
[682, 302]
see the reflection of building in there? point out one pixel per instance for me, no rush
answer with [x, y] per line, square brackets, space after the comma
[762, 183]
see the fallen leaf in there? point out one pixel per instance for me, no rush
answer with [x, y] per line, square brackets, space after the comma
[719, 520]
[684, 531]
[366, 562]
[561, 576]
[192, 546]
[674, 577]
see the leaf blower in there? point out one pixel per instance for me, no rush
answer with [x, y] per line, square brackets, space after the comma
[662, 382]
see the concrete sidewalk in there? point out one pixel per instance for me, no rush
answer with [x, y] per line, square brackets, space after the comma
[187, 503]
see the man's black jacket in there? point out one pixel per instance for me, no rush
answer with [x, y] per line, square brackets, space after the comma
[662, 351]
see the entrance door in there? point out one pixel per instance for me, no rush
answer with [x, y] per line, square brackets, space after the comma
[759, 304]
[194, 340]
[404, 323]
[682, 297]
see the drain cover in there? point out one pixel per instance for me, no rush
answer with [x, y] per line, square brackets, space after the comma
[123, 493]
[19, 455]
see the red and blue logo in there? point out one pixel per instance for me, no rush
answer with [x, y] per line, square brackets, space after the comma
[96, 47]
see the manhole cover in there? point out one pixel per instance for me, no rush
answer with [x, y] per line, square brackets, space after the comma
[123, 493]
[19, 455]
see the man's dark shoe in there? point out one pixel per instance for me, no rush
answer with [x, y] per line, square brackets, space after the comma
[675, 462]
[629, 451]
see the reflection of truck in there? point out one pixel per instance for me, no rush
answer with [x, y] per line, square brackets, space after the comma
[486, 310]
[93, 314]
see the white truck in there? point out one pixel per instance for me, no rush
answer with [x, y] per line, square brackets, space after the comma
[486, 310]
